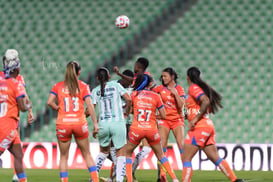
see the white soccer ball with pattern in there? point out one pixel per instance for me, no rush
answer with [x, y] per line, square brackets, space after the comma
[122, 21]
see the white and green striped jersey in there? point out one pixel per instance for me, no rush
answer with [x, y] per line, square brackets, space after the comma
[110, 105]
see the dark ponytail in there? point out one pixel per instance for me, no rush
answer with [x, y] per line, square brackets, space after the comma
[103, 77]
[214, 97]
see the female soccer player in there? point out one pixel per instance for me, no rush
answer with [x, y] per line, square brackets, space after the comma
[127, 85]
[172, 95]
[140, 68]
[202, 100]
[12, 99]
[111, 119]
[10, 56]
[145, 104]
[71, 94]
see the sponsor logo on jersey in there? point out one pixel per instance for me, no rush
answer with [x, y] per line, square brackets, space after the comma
[62, 130]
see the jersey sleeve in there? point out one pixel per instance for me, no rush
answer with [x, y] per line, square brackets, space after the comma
[121, 89]
[156, 89]
[21, 79]
[196, 92]
[94, 96]
[85, 91]
[19, 90]
[54, 90]
[181, 91]
[159, 101]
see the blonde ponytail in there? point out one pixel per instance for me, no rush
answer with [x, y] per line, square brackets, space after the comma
[71, 78]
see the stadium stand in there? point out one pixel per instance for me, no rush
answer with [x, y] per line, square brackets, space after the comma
[47, 36]
[231, 43]
[229, 40]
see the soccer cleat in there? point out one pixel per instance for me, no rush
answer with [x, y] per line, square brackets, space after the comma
[106, 179]
[175, 180]
[134, 178]
[90, 180]
[15, 178]
[239, 180]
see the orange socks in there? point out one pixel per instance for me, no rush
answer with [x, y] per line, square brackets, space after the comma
[64, 176]
[23, 180]
[225, 168]
[164, 161]
[93, 173]
[163, 171]
[129, 169]
[187, 172]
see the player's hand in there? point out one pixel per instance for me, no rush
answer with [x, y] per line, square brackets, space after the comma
[116, 69]
[173, 91]
[30, 117]
[192, 123]
[95, 130]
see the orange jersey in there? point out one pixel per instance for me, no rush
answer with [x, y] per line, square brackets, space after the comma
[172, 113]
[193, 105]
[19, 78]
[71, 109]
[10, 91]
[145, 103]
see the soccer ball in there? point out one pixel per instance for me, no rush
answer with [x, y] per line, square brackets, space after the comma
[122, 21]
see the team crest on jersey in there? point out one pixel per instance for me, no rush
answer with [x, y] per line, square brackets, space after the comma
[84, 128]
[156, 136]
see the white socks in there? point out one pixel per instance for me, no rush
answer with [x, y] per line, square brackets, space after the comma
[145, 150]
[100, 159]
[113, 154]
[121, 168]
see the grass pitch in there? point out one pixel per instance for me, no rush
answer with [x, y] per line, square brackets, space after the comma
[80, 175]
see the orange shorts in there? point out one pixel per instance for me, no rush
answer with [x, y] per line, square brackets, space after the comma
[8, 137]
[201, 137]
[136, 135]
[171, 124]
[64, 132]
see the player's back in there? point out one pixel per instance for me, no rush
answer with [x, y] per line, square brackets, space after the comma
[145, 104]
[71, 109]
[19, 78]
[193, 106]
[10, 91]
[110, 105]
